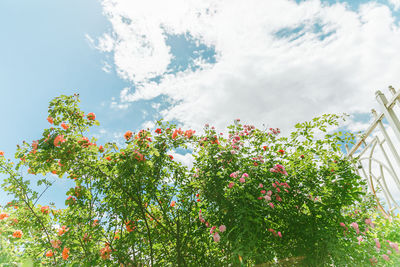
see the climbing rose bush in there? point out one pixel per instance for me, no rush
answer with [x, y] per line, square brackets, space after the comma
[252, 197]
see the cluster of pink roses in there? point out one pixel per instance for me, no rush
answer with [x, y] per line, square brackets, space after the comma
[378, 245]
[213, 229]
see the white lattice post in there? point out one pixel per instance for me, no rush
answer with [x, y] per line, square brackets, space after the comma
[389, 113]
[391, 147]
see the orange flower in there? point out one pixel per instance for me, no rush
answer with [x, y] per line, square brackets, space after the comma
[59, 139]
[35, 145]
[62, 230]
[50, 120]
[54, 172]
[1, 153]
[129, 226]
[45, 209]
[108, 158]
[65, 253]
[101, 149]
[176, 132]
[49, 253]
[85, 237]
[105, 252]
[55, 243]
[189, 133]
[128, 135]
[116, 235]
[3, 215]
[65, 126]
[17, 234]
[91, 116]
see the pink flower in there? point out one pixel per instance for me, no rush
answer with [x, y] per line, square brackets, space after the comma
[378, 245]
[245, 175]
[360, 239]
[271, 204]
[231, 184]
[267, 198]
[355, 226]
[278, 169]
[216, 237]
[369, 222]
[263, 191]
[279, 234]
[395, 246]
[342, 224]
[385, 257]
[242, 180]
[260, 186]
[222, 228]
[269, 193]
[212, 229]
[233, 175]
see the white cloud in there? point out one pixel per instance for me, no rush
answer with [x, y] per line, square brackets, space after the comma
[257, 77]
[395, 3]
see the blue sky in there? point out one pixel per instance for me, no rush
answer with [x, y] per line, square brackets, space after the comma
[134, 62]
[44, 53]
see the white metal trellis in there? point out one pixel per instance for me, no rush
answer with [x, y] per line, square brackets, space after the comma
[381, 172]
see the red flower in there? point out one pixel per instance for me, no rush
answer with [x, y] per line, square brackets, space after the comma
[171, 157]
[265, 147]
[281, 151]
[91, 116]
[158, 130]
[128, 135]
[302, 156]
[172, 203]
[101, 149]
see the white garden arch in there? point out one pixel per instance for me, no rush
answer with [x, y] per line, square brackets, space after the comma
[377, 154]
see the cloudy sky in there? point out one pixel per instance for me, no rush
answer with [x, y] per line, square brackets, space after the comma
[194, 62]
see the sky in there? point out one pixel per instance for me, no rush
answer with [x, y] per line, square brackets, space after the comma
[272, 63]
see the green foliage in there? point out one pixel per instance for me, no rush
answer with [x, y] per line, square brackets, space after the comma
[251, 198]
